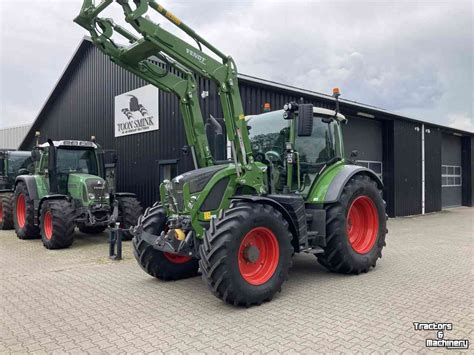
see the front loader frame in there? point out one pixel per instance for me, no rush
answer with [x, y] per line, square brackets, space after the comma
[179, 55]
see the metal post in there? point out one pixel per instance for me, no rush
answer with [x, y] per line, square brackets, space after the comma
[115, 239]
[112, 238]
[422, 169]
[118, 232]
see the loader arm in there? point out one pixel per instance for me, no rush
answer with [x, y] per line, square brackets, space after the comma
[222, 70]
[142, 59]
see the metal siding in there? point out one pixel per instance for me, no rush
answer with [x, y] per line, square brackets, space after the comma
[407, 168]
[11, 137]
[365, 136]
[467, 171]
[451, 154]
[451, 150]
[432, 169]
[82, 104]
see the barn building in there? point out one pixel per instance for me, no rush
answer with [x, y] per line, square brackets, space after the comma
[425, 167]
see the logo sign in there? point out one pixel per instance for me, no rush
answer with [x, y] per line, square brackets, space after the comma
[136, 111]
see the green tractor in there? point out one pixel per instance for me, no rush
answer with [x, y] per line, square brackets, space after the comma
[12, 164]
[286, 189]
[73, 185]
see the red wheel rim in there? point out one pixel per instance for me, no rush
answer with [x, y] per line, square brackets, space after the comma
[21, 210]
[48, 225]
[362, 224]
[258, 257]
[1, 212]
[177, 259]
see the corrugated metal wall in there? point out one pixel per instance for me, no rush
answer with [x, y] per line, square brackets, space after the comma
[82, 105]
[451, 155]
[432, 169]
[407, 168]
[11, 137]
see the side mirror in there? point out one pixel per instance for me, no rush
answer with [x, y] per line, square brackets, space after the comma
[305, 120]
[35, 155]
[354, 154]
[110, 158]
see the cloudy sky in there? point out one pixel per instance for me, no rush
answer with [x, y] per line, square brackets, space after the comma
[411, 57]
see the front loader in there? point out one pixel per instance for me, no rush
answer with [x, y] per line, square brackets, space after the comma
[12, 164]
[73, 185]
[287, 189]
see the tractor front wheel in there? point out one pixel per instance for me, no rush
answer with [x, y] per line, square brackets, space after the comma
[57, 224]
[246, 254]
[6, 210]
[356, 226]
[163, 266]
[129, 211]
[24, 214]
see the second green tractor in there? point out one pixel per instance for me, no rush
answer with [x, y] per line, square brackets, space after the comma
[285, 189]
[73, 185]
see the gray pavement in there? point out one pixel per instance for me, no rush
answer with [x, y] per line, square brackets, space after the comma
[76, 300]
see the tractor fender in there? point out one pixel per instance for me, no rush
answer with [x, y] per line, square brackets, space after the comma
[39, 203]
[279, 207]
[347, 172]
[30, 183]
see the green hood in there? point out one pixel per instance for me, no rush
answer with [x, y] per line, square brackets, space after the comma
[88, 188]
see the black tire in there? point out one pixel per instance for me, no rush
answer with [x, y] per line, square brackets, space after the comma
[222, 255]
[6, 210]
[129, 212]
[155, 262]
[340, 255]
[25, 228]
[60, 233]
[91, 229]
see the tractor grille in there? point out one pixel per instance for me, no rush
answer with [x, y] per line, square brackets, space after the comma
[197, 180]
[98, 188]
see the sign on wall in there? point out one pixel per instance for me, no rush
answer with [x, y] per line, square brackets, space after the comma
[136, 111]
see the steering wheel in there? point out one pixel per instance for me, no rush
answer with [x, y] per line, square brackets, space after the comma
[273, 156]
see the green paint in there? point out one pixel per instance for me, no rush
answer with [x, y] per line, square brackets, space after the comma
[42, 185]
[318, 191]
[187, 61]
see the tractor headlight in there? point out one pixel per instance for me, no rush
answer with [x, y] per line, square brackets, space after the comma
[91, 196]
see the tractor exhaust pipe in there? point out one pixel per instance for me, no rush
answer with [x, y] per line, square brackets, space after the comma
[53, 176]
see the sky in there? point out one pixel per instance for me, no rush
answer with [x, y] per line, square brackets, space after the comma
[410, 57]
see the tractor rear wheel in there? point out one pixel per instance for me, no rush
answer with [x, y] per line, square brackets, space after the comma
[246, 254]
[356, 226]
[163, 266]
[57, 224]
[129, 212]
[91, 229]
[6, 211]
[24, 214]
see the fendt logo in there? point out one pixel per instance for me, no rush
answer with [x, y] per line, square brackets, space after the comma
[136, 111]
[196, 55]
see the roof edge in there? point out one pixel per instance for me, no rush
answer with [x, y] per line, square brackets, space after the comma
[248, 78]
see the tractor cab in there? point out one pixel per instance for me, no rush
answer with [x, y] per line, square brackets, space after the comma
[12, 164]
[295, 147]
[73, 168]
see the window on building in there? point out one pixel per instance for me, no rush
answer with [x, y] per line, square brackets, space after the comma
[168, 169]
[451, 175]
[375, 166]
